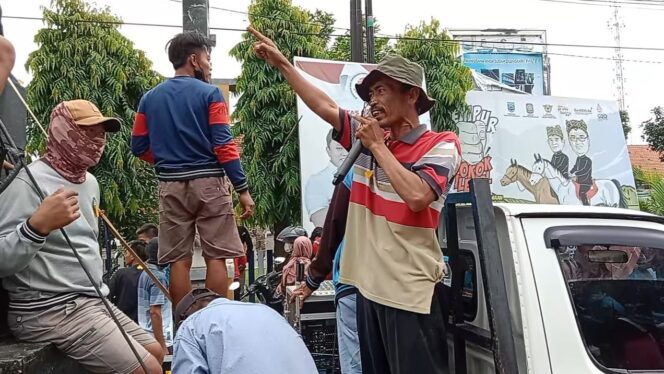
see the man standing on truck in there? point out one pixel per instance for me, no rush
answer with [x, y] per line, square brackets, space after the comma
[582, 172]
[182, 127]
[401, 179]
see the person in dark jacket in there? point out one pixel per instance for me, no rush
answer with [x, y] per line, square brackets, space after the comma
[123, 283]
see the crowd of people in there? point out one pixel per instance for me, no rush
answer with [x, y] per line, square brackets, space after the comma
[384, 216]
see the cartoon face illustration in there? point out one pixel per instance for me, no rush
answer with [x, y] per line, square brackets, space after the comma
[556, 143]
[579, 141]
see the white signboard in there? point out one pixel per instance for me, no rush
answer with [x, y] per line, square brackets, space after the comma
[543, 149]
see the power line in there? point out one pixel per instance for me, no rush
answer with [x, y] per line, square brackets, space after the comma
[605, 58]
[624, 2]
[391, 37]
[268, 17]
[580, 2]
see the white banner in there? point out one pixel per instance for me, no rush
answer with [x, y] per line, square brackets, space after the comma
[546, 149]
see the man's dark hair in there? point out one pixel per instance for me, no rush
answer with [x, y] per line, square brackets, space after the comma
[184, 45]
[139, 248]
[149, 229]
[318, 231]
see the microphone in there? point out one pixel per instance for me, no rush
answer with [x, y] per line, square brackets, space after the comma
[353, 154]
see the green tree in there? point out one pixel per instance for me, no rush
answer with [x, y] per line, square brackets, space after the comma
[83, 55]
[624, 119]
[266, 114]
[447, 79]
[340, 49]
[653, 131]
[654, 203]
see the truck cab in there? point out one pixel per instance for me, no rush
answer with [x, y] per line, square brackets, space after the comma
[552, 288]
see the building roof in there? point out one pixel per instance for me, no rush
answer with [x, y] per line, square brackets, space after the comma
[645, 158]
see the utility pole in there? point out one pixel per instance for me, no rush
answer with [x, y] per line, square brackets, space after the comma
[368, 10]
[356, 49]
[196, 17]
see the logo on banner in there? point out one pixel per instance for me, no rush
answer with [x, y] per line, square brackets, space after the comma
[511, 108]
[530, 110]
[583, 111]
[476, 131]
[564, 111]
[600, 115]
[548, 108]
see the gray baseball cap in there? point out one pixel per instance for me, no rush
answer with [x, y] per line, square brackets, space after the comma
[402, 70]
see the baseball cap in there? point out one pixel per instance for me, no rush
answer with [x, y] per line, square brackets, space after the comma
[85, 113]
[182, 310]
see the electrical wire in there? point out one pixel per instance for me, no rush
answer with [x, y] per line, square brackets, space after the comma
[392, 37]
[579, 2]
[269, 17]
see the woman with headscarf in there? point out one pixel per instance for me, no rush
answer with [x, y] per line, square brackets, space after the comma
[302, 250]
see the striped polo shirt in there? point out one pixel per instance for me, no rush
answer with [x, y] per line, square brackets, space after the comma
[392, 254]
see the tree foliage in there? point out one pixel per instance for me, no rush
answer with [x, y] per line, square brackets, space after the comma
[447, 79]
[83, 55]
[624, 120]
[266, 114]
[341, 48]
[653, 131]
[654, 203]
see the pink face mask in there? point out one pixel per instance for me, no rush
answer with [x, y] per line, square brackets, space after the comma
[72, 149]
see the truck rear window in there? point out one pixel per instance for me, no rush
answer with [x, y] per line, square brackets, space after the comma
[618, 297]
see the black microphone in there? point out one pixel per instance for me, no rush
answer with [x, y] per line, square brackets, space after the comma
[353, 154]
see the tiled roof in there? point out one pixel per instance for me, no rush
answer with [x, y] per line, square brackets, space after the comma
[646, 159]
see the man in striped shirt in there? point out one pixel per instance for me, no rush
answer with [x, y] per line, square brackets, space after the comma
[182, 127]
[391, 255]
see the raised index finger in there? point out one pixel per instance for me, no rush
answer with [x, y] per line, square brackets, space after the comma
[259, 36]
[362, 120]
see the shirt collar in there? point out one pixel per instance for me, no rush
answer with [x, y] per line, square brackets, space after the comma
[414, 134]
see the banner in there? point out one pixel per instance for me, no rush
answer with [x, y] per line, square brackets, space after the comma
[320, 156]
[544, 149]
[523, 71]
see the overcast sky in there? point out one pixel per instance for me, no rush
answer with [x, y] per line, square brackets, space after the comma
[565, 24]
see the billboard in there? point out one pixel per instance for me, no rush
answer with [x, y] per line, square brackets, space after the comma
[570, 151]
[523, 71]
[320, 156]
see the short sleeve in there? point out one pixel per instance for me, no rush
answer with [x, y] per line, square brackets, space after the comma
[346, 133]
[218, 110]
[156, 296]
[439, 165]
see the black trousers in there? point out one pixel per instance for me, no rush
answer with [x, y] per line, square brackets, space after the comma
[395, 341]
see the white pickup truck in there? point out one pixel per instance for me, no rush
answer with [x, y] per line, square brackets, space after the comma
[552, 288]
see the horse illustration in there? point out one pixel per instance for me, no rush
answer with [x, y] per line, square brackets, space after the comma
[541, 188]
[604, 192]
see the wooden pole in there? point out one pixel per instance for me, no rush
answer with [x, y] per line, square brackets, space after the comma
[118, 236]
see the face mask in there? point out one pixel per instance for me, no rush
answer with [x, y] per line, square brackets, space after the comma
[71, 149]
[198, 74]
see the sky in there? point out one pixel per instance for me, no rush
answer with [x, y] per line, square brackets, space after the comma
[565, 24]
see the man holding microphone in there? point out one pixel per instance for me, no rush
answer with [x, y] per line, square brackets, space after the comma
[401, 178]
